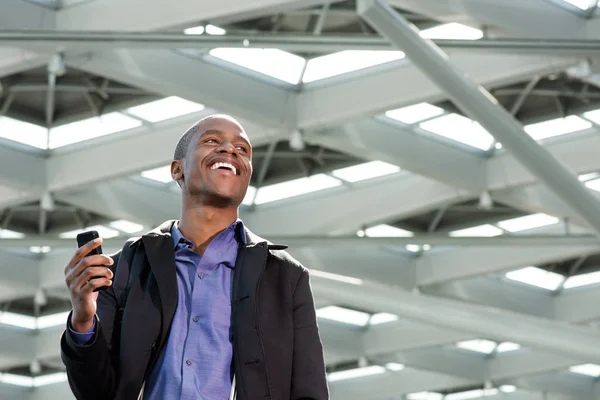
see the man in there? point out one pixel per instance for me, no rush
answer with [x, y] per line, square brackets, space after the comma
[199, 308]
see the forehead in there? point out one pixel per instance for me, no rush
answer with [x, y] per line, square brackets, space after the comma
[222, 126]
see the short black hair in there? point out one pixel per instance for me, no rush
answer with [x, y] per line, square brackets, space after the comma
[184, 140]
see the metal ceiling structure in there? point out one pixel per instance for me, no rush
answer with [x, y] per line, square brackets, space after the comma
[450, 259]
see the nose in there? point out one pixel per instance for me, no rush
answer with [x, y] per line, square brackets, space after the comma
[227, 147]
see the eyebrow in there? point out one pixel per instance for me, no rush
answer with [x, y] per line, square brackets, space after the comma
[219, 132]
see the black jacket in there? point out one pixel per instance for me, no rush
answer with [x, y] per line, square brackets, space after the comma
[277, 354]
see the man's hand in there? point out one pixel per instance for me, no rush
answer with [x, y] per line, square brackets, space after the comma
[83, 275]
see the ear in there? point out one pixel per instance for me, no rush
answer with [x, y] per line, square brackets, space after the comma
[177, 171]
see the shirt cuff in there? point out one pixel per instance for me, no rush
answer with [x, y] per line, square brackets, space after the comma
[82, 338]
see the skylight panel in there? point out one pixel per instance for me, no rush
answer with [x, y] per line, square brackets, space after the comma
[126, 226]
[593, 184]
[49, 379]
[365, 171]
[394, 367]
[18, 320]
[295, 187]
[471, 394]
[486, 230]
[355, 373]
[24, 132]
[250, 193]
[588, 177]
[528, 222]
[382, 318]
[387, 231]
[160, 174]
[346, 61]
[103, 231]
[582, 280]
[424, 396]
[214, 30]
[593, 115]
[16, 380]
[48, 321]
[28, 381]
[275, 63]
[582, 4]
[344, 315]
[91, 128]
[536, 277]
[477, 345]
[195, 30]
[505, 347]
[508, 388]
[40, 249]
[452, 30]
[336, 277]
[586, 369]
[556, 127]
[8, 234]
[460, 129]
[415, 113]
[163, 109]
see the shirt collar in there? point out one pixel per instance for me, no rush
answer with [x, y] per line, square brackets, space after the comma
[238, 225]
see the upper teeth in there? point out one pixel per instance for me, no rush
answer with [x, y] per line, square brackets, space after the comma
[226, 165]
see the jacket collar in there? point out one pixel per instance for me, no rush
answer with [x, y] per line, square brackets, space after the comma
[252, 239]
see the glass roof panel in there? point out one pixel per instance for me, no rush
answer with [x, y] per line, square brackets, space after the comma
[346, 61]
[295, 187]
[460, 129]
[557, 127]
[91, 128]
[536, 277]
[163, 109]
[365, 171]
[415, 113]
[24, 132]
[452, 30]
[275, 63]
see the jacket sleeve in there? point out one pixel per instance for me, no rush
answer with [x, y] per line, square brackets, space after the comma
[309, 379]
[90, 368]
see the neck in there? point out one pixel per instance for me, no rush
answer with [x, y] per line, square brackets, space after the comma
[201, 224]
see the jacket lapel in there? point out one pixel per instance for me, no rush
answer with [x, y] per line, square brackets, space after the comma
[160, 252]
[249, 354]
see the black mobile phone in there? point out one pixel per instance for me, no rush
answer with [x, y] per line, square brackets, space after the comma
[86, 237]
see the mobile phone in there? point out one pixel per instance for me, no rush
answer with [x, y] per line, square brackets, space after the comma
[86, 237]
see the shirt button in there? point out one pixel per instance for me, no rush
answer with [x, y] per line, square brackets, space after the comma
[189, 362]
[200, 275]
[196, 319]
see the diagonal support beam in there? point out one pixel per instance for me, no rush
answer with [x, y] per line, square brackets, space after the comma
[477, 103]
[377, 140]
[496, 324]
[171, 73]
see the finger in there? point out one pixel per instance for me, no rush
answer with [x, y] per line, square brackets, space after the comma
[84, 250]
[81, 252]
[88, 262]
[89, 274]
[93, 284]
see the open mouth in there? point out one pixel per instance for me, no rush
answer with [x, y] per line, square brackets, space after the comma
[225, 166]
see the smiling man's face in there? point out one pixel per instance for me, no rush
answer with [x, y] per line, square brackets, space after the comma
[218, 163]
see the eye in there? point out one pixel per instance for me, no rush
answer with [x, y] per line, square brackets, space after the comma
[242, 148]
[209, 140]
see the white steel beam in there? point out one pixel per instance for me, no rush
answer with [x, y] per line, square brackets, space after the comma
[97, 17]
[401, 84]
[141, 149]
[377, 140]
[496, 324]
[171, 73]
[477, 103]
[532, 18]
[26, 170]
[18, 14]
[13, 60]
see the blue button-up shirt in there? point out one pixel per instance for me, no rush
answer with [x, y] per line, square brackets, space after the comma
[195, 362]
